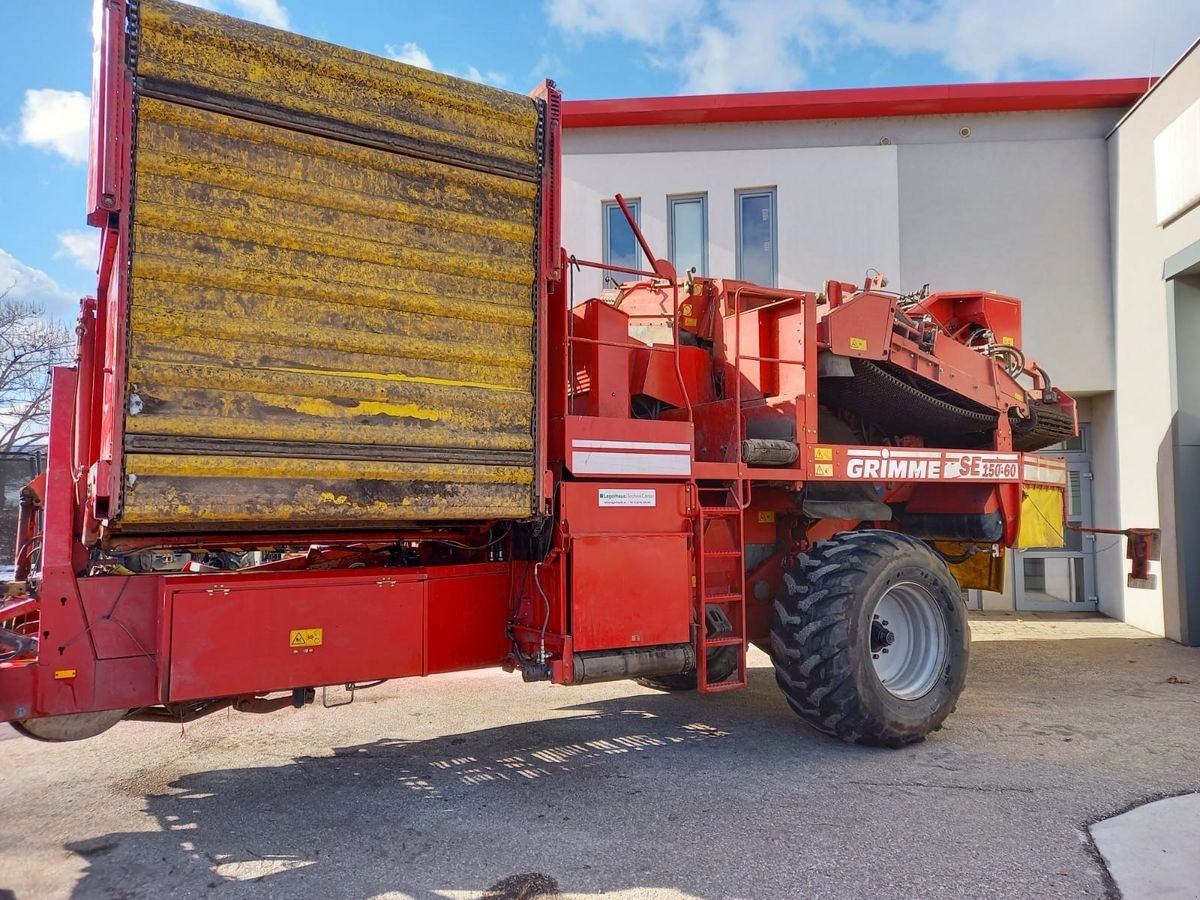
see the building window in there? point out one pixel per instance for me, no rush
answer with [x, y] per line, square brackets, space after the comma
[757, 259]
[687, 233]
[620, 246]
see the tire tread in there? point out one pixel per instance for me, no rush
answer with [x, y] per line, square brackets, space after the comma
[810, 638]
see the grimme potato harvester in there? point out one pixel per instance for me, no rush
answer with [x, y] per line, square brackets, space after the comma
[337, 418]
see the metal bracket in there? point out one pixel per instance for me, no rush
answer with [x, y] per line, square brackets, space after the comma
[325, 697]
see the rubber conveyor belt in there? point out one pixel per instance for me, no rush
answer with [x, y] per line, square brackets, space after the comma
[897, 406]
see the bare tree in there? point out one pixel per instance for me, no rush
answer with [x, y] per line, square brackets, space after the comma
[29, 346]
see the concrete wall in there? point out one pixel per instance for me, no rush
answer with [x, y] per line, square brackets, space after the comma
[836, 213]
[1146, 401]
[1017, 206]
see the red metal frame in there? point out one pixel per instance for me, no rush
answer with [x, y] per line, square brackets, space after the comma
[110, 185]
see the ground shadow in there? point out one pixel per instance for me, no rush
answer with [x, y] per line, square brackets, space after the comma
[443, 817]
[702, 796]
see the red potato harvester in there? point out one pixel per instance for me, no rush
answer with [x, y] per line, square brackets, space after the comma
[336, 418]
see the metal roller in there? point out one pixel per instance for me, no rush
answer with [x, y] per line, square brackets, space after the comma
[640, 662]
[765, 452]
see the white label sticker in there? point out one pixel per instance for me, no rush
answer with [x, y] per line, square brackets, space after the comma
[640, 497]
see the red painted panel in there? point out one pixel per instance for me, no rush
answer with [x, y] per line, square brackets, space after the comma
[628, 448]
[630, 591]
[861, 327]
[623, 508]
[630, 573]
[122, 614]
[601, 369]
[467, 620]
[235, 637]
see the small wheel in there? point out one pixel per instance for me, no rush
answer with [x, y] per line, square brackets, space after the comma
[722, 662]
[870, 638]
[70, 727]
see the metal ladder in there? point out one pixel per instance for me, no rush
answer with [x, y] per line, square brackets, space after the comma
[733, 596]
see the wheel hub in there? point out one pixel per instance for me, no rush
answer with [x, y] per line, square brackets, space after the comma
[909, 640]
[881, 636]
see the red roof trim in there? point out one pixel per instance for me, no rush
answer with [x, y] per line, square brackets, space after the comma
[856, 103]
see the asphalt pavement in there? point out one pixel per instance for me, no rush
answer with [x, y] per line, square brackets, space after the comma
[477, 785]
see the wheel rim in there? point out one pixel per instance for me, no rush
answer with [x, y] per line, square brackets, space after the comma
[909, 640]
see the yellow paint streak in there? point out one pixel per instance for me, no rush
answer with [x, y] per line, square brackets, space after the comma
[159, 276]
[275, 229]
[196, 350]
[189, 466]
[395, 433]
[448, 382]
[242, 250]
[273, 332]
[508, 403]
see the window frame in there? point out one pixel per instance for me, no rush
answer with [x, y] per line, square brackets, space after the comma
[635, 207]
[740, 194]
[672, 200]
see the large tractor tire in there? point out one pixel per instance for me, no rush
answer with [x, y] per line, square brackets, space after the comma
[721, 664]
[870, 639]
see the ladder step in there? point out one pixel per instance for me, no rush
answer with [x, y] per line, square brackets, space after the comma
[723, 554]
[721, 598]
[725, 640]
[723, 686]
[721, 510]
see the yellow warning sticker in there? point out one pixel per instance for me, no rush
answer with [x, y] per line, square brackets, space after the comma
[689, 320]
[823, 454]
[823, 470]
[306, 637]
[60, 674]
[686, 309]
[1008, 340]
[766, 517]
[858, 343]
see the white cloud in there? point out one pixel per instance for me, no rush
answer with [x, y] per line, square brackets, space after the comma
[269, 12]
[266, 12]
[22, 282]
[410, 53]
[81, 245]
[733, 45]
[496, 79]
[57, 121]
[635, 20]
[414, 55]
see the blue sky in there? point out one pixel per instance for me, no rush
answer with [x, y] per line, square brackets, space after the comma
[593, 48]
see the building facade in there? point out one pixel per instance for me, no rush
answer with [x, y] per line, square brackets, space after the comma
[1014, 188]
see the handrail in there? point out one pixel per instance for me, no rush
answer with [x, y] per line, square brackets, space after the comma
[612, 267]
[654, 348]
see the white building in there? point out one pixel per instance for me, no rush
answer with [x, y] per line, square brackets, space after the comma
[1081, 198]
